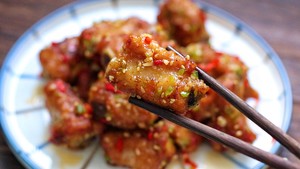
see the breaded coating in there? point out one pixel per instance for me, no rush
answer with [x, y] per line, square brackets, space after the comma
[183, 20]
[58, 58]
[146, 70]
[186, 140]
[103, 41]
[113, 108]
[71, 119]
[134, 149]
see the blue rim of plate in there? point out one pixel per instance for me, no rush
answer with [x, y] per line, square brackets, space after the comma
[28, 163]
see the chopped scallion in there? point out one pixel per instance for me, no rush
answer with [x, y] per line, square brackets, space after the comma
[184, 94]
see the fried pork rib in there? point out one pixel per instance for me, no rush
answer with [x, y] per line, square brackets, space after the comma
[104, 39]
[231, 72]
[186, 140]
[71, 119]
[158, 76]
[58, 58]
[138, 150]
[113, 108]
[183, 20]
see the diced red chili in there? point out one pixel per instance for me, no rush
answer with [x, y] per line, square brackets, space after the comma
[189, 162]
[148, 40]
[88, 108]
[119, 145]
[109, 87]
[246, 83]
[158, 62]
[210, 66]
[103, 120]
[54, 44]
[87, 36]
[150, 135]
[65, 58]
[164, 128]
[248, 136]
[218, 54]
[60, 86]
[203, 16]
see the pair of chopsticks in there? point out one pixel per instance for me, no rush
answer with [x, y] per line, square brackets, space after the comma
[240, 146]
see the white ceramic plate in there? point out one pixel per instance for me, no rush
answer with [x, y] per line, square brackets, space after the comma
[25, 120]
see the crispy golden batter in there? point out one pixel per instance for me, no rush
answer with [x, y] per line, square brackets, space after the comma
[71, 119]
[104, 39]
[158, 76]
[185, 140]
[58, 58]
[113, 108]
[183, 20]
[136, 150]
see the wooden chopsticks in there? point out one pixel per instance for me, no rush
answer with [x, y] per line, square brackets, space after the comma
[218, 136]
[272, 160]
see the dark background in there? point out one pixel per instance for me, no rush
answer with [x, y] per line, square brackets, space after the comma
[277, 21]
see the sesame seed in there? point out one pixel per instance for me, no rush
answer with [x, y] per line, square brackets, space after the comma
[142, 89]
[221, 121]
[238, 133]
[236, 126]
[137, 152]
[106, 139]
[148, 64]
[148, 59]
[188, 57]
[166, 62]
[156, 147]
[139, 97]
[182, 66]
[108, 118]
[172, 101]
[52, 86]
[111, 78]
[142, 125]
[126, 134]
[118, 105]
[164, 101]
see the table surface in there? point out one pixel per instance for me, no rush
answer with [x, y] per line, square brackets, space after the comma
[276, 21]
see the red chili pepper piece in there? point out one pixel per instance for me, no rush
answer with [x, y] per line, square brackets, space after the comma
[103, 120]
[60, 86]
[210, 66]
[148, 40]
[65, 58]
[88, 108]
[119, 145]
[203, 16]
[158, 62]
[54, 44]
[150, 135]
[87, 36]
[109, 87]
[189, 162]
[218, 54]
